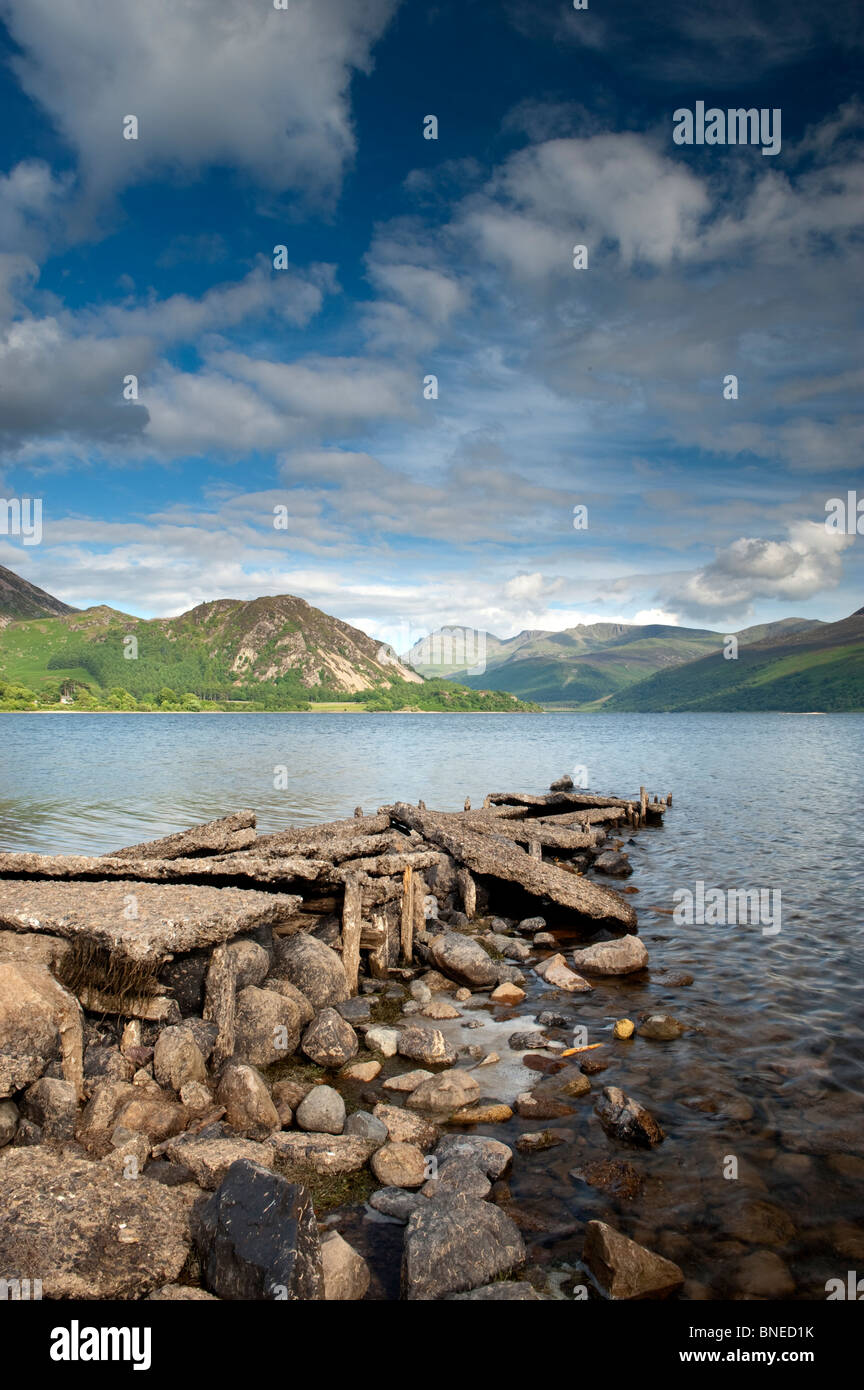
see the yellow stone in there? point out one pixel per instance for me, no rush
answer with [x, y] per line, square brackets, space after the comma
[623, 1028]
[480, 1114]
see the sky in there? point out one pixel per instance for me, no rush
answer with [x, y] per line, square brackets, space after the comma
[286, 437]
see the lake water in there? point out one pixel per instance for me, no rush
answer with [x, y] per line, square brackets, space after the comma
[770, 1072]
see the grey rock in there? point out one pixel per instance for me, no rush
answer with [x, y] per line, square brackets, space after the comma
[620, 957]
[322, 1111]
[491, 1155]
[267, 1027]
[314, 968]
[257, 1238]
[396, 1202]
[249, 1109]
[366, 1126]
[457, 1243]
[177, 1058]
[329, 1040]
[425, 1045]
[463, 959]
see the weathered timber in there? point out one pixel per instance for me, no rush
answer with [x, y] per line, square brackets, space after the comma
[220, 1002]
[502, 859]
[249, 868]
[230, 833]
[352, 922]
[406, 917]
[386, 864]
[140, 922]
[467, 892]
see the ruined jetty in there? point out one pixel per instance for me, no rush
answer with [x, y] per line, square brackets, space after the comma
[161, 1007]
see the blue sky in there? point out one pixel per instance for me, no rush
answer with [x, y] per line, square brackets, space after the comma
[303, 388]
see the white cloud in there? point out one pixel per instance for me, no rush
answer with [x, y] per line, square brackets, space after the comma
[212, 82]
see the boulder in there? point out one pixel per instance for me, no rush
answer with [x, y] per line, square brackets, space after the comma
[457, 1243]
[507, 994]
[8, 1121]
[361, 1071]
[444, 1093]
[506, 1291]
[626, 1119]
[490, 1154]
[39, 1021]
[329, 1040]
[346, 1273]
[151, 1113]
[619, 957]
[463, 1174]
[313, 968]
[280, 984]
[625, 1270]
[324, 1153]
[383, 1040]
[613, 863]
[53, 1105]
[249, 1109]
[322, 1111]
[556, 972]
[267, 1026]
[251, 962]
[399, 1165]
[177, 1058]
[257, 1238]
[366, 1126]
[463, 959]
[209, 1157]
[661, 1028]
[396, 1202]
[407, 1081]
[404, 1128]
[84, 1231]
[425, 1045]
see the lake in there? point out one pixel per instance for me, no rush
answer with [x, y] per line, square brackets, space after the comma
[770, 1070]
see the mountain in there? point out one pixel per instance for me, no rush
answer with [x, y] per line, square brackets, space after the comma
[276, 652]
[580, 665]
[818, 668]
[20, 599]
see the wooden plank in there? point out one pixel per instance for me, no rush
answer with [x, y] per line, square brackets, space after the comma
[352, 925]
[407, 916]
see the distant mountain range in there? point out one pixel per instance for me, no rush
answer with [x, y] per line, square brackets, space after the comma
[792, 664]
[276, 652]
[280, 652]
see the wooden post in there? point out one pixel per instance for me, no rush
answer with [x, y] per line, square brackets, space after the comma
[418, 893]
[407, 924]
[467, 803]
[669, 799]
[643, 802]
[468, 892]
[220, 998]
[352, 923]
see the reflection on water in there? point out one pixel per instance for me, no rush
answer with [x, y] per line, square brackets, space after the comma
[771, 1071]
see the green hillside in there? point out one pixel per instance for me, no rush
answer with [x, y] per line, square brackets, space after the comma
[274, 653]
[819, 669]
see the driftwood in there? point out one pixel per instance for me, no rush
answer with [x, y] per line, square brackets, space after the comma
[387, 864]
[499, 858]
[214, 837]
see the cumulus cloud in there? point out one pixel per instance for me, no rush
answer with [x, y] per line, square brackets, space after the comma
[752, 568]
[211, 82]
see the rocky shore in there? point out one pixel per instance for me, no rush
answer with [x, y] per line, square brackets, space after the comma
[242, 1066]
